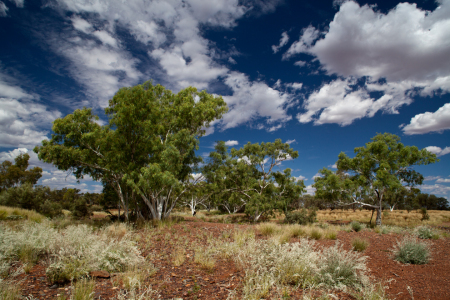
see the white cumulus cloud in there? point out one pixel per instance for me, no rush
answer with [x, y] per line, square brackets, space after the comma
[438, 150]
[252, 100]
[429, 121]
[231, 143]
[406, 48]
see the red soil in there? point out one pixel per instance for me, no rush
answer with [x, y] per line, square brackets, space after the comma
[189, 281]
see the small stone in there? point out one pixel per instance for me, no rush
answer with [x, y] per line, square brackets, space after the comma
[55, 286]
[99, 274]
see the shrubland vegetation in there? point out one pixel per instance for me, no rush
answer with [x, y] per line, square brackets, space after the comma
[145, 157]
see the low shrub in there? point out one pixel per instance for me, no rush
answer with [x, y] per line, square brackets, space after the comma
[411, 251]
[425, 215]
[423, 232]
[359, 244]
[356, 226]
[302, 217]
[74, 251]
[341, 268]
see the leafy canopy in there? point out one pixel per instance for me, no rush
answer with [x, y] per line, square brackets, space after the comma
[148, 144]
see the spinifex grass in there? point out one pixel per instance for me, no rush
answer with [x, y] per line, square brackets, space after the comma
[411, 251]
[359, 244]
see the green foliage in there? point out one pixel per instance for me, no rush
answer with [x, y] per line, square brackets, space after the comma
[146, 151]
[411, 251]
[17, 174]
[340, 268]
[356, 226]
[424, 232]
[3, 214]
[302, 217]
[80, 210]
[51, 209]
[383, 165]
[425, 215]
[245, 178]
[359, 244]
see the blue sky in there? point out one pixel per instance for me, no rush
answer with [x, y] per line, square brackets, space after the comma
[325, 76]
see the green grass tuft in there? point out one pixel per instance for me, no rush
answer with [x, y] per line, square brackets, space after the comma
[359, 244]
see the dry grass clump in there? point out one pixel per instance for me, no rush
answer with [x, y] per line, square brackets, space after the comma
[302, 264]
[9, 290]
[396, 217]
[135, 291]
[117, 230]
[14, 213]
[73, 252]
[178, 256]
[205, 258]
[316, 234]
[330, 234]
[268, 229]
[83, 290]
[359, 244]
[134, 275]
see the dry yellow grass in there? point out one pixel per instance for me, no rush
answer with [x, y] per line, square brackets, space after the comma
[396, 217]
[32, 215]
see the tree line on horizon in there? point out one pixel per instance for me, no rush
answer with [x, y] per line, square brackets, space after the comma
[145, 157]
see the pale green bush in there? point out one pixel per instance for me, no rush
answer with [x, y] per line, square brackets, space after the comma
[73, 252]
[424, 232]
[81, 250]
[268, 263]
[340, 268]
[411, 251]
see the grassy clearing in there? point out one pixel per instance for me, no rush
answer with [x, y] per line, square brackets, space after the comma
[397, 217]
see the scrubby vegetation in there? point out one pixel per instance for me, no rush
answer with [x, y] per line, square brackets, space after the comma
[411, 251]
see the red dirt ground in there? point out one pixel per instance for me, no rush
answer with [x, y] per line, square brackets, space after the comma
[189, 281]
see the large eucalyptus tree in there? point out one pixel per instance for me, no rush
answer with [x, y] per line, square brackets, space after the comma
[146, 152]
[383, 165]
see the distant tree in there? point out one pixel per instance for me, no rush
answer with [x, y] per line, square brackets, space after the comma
[147, 150]
[12, 175]
[248, 177]
[384, 164]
